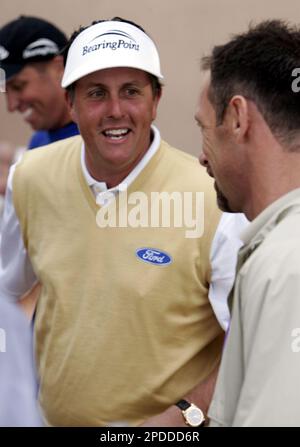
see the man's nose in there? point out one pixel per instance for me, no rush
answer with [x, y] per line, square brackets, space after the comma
[203, 160]
[12, 101]
[115, 108]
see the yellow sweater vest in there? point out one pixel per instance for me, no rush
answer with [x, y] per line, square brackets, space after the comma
[117, 338]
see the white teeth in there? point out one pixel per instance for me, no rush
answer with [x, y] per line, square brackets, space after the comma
[116, 132]
[27, 112]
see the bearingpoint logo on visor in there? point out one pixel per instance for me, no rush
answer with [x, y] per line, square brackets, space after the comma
[113, 43]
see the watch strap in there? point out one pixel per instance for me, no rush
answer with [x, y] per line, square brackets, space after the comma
[183, 404]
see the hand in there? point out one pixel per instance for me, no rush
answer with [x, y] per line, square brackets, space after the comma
[172, 417]
[6, 159]
[28, 301]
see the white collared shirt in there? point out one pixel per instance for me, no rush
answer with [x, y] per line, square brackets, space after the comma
[17, 275]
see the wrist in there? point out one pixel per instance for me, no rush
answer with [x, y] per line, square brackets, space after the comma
[193, 415]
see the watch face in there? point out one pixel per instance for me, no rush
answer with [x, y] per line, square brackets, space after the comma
[194, 416]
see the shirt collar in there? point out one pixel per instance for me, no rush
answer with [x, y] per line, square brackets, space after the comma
[101, 187]
[269, 217]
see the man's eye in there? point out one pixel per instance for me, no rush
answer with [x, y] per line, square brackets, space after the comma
[132, 91]
[96, 93]
[18, 87]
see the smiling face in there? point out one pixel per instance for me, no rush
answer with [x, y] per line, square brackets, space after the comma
[114, 109]
[35, 92]
[220, 154]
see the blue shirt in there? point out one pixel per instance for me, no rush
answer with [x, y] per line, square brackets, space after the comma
[44, 137]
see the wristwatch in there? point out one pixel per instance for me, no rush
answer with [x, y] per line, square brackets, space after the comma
[192, 414]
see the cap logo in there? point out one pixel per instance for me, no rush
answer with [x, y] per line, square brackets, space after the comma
[117, 33]
[41, 47]
[3, 53]
[113, 43]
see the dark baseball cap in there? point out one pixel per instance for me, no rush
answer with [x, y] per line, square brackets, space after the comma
[28, 39]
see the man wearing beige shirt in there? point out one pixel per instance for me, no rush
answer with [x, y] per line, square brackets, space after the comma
[249, 113]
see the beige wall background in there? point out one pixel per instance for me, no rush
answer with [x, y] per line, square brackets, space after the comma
[183, 32]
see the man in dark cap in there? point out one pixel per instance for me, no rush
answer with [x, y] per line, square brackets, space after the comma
[30, 57]
[30, 50]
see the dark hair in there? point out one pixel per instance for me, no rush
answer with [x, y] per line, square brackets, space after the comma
[258, 64]
[155, 82]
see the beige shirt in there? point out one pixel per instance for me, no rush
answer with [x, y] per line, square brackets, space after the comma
[258, 382]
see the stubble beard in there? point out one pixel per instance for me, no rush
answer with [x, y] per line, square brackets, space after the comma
[222, 201]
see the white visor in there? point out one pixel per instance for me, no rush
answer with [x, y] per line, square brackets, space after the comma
[107, 45]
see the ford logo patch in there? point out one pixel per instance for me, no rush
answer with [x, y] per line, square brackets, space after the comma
[153, 256]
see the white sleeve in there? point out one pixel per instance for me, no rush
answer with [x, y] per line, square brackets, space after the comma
[223, 258]
[16, 272]
[18, 385]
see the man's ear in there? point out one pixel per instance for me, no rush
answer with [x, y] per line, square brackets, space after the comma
[57, 64]
[237, 115]
[70, 101]
[156, 100]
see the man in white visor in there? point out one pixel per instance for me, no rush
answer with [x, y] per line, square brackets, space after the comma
[120, 229]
